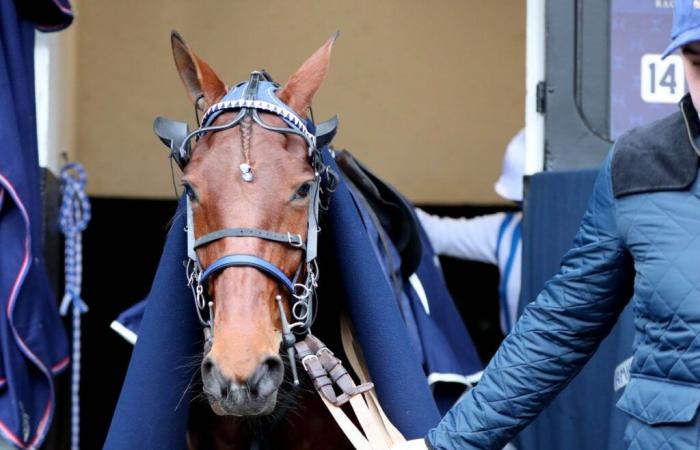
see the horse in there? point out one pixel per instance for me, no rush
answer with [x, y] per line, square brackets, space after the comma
[253, 181]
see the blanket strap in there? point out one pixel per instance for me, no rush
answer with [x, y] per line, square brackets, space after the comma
[357, 361]
[327, 371]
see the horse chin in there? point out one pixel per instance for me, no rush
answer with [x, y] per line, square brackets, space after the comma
[254, 408]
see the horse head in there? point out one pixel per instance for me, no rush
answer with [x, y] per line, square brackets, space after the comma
[252, 183]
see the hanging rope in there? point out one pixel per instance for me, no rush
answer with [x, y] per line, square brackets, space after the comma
[74, 217]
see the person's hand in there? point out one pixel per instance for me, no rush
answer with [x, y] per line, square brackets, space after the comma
[415, 444]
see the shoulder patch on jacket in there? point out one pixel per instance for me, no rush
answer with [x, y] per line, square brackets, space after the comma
[655, 157]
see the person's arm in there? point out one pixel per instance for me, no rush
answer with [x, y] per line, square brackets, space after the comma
[553, 339]
[474, 238]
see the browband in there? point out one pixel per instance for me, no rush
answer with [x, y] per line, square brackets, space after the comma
[257, 94]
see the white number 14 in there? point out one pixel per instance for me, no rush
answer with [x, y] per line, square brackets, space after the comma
[662, 80]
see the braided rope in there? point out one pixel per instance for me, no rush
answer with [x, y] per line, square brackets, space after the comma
[246, 135]
[74, 217]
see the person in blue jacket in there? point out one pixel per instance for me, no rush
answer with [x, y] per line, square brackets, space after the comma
[642, 225]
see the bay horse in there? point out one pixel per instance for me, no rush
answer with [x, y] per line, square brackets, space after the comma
[253, 181]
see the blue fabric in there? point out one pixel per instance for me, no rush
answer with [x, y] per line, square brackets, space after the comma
[447, 346]
[390, 263]
[153, 406]
[47, 15]
[437, 333]
[377, 319]
[501, 231]
[508, 269]
[132, 317]
[505, 275]
[666, 436]
[583, 416]
[33, 343]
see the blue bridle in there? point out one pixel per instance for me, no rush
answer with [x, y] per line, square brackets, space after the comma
[240, 260]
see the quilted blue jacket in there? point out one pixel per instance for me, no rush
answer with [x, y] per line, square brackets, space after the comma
[642, 223]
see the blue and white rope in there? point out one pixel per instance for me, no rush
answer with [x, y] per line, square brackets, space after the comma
[74, 217]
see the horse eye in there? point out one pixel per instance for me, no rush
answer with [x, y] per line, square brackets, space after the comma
[302, 192]
[189, 192]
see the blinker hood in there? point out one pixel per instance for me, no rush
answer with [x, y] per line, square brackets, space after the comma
[258, 94]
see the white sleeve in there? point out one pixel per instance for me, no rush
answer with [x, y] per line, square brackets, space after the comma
[474, 238]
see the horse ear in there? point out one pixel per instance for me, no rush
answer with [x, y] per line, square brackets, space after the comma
[199, 78]
[301, 87]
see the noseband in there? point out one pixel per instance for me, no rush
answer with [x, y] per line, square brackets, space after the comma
[248, 98]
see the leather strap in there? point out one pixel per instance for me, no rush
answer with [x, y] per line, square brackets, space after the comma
[295, 240]
[354, 435]
[325, 131]
[173, 134]
[325, 371]
[319, 377]
[247, 261]
[354, 355]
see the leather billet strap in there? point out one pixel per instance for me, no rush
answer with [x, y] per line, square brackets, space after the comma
[326, 371]
[375, 432]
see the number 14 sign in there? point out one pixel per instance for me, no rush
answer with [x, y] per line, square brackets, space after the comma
[662, 80]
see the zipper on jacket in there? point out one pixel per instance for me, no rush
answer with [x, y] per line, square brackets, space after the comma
[687, 129]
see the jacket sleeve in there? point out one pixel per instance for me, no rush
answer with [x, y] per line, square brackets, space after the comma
[553, 339]
[473, 239]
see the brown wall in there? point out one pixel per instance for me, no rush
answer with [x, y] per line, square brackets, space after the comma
[428, 93]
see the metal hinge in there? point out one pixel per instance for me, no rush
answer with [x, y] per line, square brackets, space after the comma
[541, 102]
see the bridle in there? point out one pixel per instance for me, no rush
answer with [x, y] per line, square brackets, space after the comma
[324, 369]
[248, 98]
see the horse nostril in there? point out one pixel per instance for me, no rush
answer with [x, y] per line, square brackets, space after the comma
[207, 366]
[267, 377]
[214, 381]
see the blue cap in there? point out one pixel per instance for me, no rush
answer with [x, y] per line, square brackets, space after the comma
[686, 25]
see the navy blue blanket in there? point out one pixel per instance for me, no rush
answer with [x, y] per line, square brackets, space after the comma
[33, 344]
[153, 406]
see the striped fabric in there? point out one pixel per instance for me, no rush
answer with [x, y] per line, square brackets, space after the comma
[493, 239]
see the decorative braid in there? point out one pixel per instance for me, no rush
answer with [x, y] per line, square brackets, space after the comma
[246, 135]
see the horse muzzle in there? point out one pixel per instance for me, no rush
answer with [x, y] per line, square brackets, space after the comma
[256, 396]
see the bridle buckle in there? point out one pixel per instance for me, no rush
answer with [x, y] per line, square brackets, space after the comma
[295, 240]
[308, 358]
